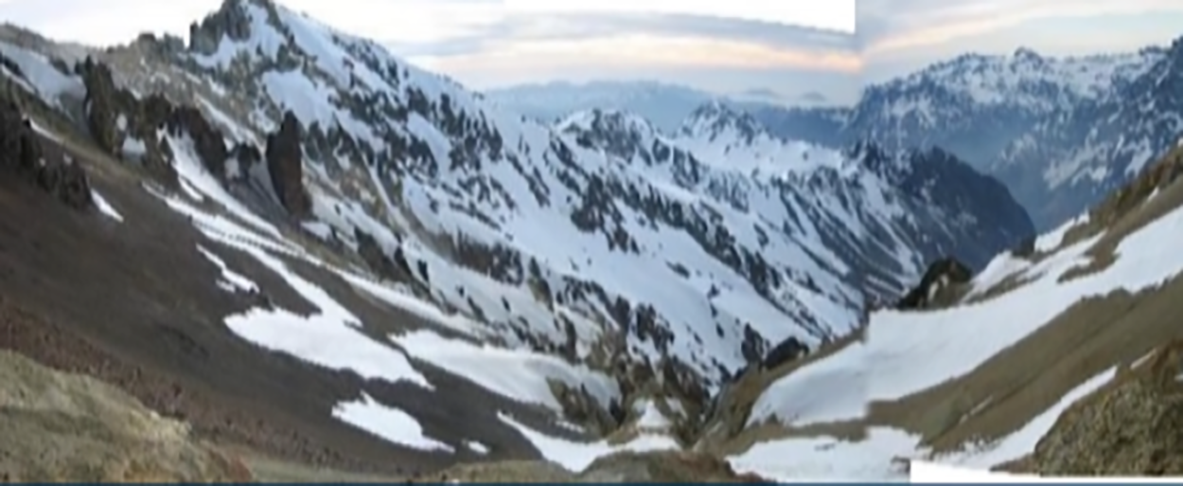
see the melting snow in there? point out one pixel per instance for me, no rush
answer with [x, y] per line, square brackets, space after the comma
[105, 207]
[576, 456]
[476, 447]
[519, 375]
[231, 280]
[651, 416]
[388, 423]
[200, 180]
[41, 76]
[328, 338]
[826, 459]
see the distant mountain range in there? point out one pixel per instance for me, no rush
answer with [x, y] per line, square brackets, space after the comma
[665, 105]
[1059, 132]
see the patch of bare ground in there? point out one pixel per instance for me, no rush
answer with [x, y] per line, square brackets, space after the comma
[66, 427]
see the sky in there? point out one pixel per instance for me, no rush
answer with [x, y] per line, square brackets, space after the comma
[710, 45]
[898, 36]
[795, 48]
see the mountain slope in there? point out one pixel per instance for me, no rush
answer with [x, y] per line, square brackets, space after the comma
[1059, 132]
[414, 254]
[990, 378]
[664, 105]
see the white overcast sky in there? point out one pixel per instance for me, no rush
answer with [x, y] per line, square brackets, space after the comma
[795, 47]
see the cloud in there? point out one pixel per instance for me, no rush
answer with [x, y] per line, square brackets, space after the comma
[887, 26]
[478, 41]
[834, 15]
[640, 50]
[525, 41]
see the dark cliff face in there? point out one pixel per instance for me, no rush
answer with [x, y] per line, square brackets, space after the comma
[1001, 222]
[957, 211]
[285, 164]
[21, 155]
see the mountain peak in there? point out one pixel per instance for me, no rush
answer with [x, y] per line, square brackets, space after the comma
[606, 121]
[233, 19]
[1027, 54]
[716, 117]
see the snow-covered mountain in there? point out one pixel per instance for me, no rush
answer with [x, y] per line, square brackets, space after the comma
[588, 267]
[664, 105]
[1056, 359]
[451, 182]
[1060, 132]
[820, 125]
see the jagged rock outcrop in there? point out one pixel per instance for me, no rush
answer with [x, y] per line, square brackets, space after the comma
[938, 286]
[788, 350]
[127, 126]
[580, 407]
[285, 164]
[229, 21]
[21, 154]
[1130, 427]
[58, 427]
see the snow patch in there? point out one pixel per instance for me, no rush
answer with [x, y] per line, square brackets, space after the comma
[105, 207]
[576, 456]
[516, 374]
[387, 422]
[231, 280]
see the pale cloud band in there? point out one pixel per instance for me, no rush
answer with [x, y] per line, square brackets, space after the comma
[487, 43]
[890, 26]
[836, 15]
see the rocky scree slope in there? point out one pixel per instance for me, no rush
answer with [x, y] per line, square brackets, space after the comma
[497, 238]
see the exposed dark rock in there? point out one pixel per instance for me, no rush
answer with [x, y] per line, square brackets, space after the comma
[1025, 248]
[942, 276]
[231, 21]
[128, 127]
[580, 408]
[393, 268]
[285, 164]
[208, 141]
[753, 345]
[788, 350]
[247, 155]
[20, 153]
[682, 381]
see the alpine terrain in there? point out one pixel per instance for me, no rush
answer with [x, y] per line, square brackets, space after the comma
[1061, 133]
[276, 251]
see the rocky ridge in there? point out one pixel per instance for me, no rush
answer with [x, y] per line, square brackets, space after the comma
[479, 138]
